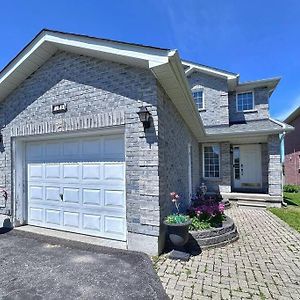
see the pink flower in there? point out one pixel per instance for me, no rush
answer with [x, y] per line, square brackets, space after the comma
[172, 194]
[177, 196]
[173, 200]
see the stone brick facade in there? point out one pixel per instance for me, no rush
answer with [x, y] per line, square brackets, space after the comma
[215, 91]
[275, 166]
[260, 111]
[101, 94]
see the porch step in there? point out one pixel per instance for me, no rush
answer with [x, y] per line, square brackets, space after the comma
[251, 203]
[253, 200]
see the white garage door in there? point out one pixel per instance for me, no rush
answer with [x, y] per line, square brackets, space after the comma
[78, 185]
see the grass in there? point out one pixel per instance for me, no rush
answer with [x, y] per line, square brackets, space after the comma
[292, 198]
[290, 215]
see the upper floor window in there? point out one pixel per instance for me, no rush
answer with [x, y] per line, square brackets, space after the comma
[198, 98]
[245, 101]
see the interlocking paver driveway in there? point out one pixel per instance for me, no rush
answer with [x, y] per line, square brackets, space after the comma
[263, 264]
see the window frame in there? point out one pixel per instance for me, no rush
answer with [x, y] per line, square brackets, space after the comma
[203, 160]
[203, 100]
[236, 101]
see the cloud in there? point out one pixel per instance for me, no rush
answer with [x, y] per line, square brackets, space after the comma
[283, 114]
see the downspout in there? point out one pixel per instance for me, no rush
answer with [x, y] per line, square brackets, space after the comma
[282, 143]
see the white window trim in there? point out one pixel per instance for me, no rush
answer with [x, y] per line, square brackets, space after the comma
[203, 98]
[203, 161]
[253, 102]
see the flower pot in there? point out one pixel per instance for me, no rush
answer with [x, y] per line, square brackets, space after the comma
[178, 233]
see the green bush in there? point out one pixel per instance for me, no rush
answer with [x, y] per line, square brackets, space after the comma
[198, 225]
[290, 188]
[177, 219]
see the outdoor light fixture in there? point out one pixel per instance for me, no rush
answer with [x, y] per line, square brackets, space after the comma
[144, 116]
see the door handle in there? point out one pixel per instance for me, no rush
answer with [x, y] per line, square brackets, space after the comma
[61, 197]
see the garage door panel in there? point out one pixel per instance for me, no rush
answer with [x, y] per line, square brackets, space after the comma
[52, 171]
[114, 225]
[34, 151]
[91, 147]
[91, 196]
[71, 219]
[114, 198]
[36, 214]
[52, 193]
[113, 171]
[35, 192]
[71, 195]
[91, 171]
[71, 148]
[78, 185]
[35, 171]
[70, 171]
[52, 149]
[53, 216]
[91, 222]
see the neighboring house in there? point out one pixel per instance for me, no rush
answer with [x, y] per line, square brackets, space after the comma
[75, 155]
[292, 149]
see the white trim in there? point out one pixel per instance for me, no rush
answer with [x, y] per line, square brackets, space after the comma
[203, 160]
[19, 197]
[194, 66]
[253, 101]
[190, 175]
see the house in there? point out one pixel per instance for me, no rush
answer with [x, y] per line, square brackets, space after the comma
[96, 133]
[292, 149]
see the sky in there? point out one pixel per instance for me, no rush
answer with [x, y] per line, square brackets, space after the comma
[257, 39]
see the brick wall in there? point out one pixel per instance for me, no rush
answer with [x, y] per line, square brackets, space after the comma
[274, 166]
[261, 109]
[292, 154]
[89, 87]
[215, 93]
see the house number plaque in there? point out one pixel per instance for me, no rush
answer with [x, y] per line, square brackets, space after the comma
[59, 108]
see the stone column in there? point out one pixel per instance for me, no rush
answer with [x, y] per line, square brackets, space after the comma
[225, 168]
[274, 166]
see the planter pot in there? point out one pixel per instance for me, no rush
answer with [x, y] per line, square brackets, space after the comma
[178, 234]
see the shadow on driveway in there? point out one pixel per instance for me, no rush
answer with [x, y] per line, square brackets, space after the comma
[39, 267]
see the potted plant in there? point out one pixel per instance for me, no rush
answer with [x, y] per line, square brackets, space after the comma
[178, 225]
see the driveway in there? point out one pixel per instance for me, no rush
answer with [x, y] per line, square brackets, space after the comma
[35, 267]
[263, 264]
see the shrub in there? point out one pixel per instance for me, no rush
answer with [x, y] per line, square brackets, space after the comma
[177, 219]
[198, 225]
[290, 188]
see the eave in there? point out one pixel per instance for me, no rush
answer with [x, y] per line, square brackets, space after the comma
[165, 64]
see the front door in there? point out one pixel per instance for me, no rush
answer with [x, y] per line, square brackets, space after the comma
[247, 173]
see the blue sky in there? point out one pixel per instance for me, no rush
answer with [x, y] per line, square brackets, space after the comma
[257, 39]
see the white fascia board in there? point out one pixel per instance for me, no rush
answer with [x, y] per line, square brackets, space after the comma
[211, 71]
[270, 83]
[154, 56]
[177, 88]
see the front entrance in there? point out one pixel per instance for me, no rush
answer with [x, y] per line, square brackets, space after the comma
[247, 172]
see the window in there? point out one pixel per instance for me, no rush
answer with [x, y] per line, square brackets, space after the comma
[198, 98]
[211, 157]
[245, 101]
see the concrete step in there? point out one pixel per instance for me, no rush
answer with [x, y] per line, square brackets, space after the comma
[251, 203]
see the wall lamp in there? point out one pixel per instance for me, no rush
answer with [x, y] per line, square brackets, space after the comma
[144, 116]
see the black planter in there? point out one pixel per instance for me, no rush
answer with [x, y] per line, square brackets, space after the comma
[178, 234]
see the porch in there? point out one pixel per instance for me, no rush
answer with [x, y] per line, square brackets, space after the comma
[246, 170]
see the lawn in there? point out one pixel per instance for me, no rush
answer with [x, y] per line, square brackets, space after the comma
[292, 198]
[290, 214]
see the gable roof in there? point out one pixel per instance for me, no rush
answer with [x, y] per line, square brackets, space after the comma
[295, 114]
[165, 64]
